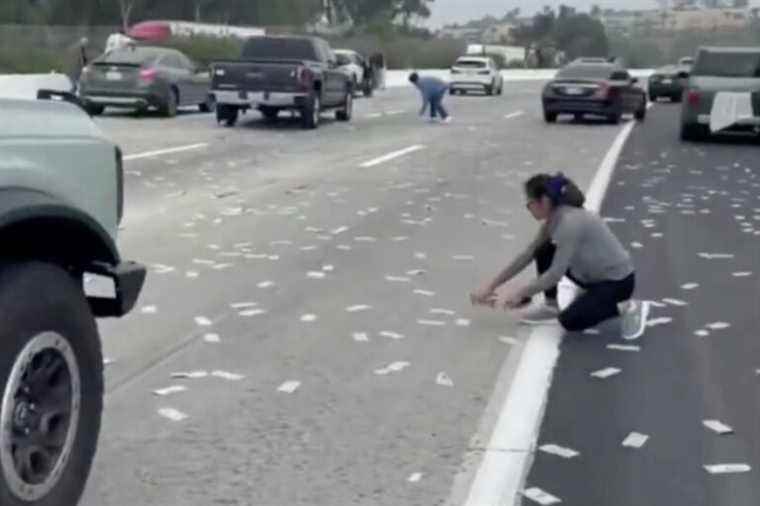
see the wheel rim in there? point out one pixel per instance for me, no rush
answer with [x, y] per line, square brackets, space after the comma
[349, 105]
[316, 110]
[40, 414]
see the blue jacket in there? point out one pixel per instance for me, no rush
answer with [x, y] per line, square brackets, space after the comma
[431, 87]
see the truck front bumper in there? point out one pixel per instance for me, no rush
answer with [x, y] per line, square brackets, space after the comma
[128, 280]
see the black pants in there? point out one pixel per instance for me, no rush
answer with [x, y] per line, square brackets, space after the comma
[598, 302]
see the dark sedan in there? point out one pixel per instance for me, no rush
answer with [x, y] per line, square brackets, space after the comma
[141, 77]
[602, 89]
[669, 82]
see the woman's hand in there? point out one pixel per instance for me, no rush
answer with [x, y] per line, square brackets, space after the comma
[511, 299]
[484, 296]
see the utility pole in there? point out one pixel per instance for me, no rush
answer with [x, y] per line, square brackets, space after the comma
[329, 11]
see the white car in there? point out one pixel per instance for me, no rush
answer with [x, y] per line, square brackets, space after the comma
[353, 64]
[475, 73]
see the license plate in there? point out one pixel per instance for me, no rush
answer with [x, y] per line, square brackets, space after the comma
[113, 76]
[574, 91]
[667, 81]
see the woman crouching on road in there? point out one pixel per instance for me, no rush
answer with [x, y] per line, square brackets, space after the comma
[576, 243]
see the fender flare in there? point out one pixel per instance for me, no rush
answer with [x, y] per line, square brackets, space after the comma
[27, 211]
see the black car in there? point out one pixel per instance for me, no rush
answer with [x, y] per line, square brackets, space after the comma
[601, 89]
[669, 81]
[140, 77]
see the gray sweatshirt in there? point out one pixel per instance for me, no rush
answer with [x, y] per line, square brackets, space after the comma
[585, 246]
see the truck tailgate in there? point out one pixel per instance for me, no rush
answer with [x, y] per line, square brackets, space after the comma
[257, 76]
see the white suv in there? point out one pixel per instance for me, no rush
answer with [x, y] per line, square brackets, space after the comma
[476, 73]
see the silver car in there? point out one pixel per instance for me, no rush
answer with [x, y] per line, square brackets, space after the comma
[734, 73]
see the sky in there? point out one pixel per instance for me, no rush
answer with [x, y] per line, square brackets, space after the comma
[449, 11]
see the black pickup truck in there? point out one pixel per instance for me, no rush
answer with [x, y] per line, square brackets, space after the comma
[282, 73]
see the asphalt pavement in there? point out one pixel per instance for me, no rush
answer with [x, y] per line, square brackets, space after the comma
[320, 280]
[690, 215]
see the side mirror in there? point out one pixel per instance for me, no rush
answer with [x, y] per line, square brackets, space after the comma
[62, 96]
[634, 80]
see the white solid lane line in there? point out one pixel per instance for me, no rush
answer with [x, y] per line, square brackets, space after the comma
[515, 114]
[504, 466]
[150, 154]
[391, 156]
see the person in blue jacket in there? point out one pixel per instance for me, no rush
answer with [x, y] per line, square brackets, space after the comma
[432, 90]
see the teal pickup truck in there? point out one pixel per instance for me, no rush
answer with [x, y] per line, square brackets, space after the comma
[61, 201]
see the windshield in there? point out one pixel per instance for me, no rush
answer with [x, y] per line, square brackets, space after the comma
[585, 72]
[131, 55]
[727, 64]
[274, 48]
[343, 59]
[471, 64]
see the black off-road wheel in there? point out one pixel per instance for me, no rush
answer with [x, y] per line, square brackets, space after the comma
[51, 369]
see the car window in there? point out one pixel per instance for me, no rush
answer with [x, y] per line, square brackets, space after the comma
[172, 61]
[620, 75]
[585, 72]
[725, 64]
[471, 64]
[286, 48]
[132, 55]
[185, 62]
[343, 59]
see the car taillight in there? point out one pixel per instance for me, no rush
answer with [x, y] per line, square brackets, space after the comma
[693, 98]
[305, 77]
[484, 72]
[603, 91]
[148, 75]
[607, 92]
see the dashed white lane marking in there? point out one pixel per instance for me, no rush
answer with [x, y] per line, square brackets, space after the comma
[168, 151]
[391, 156]
[515, 114]
[501, 474]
